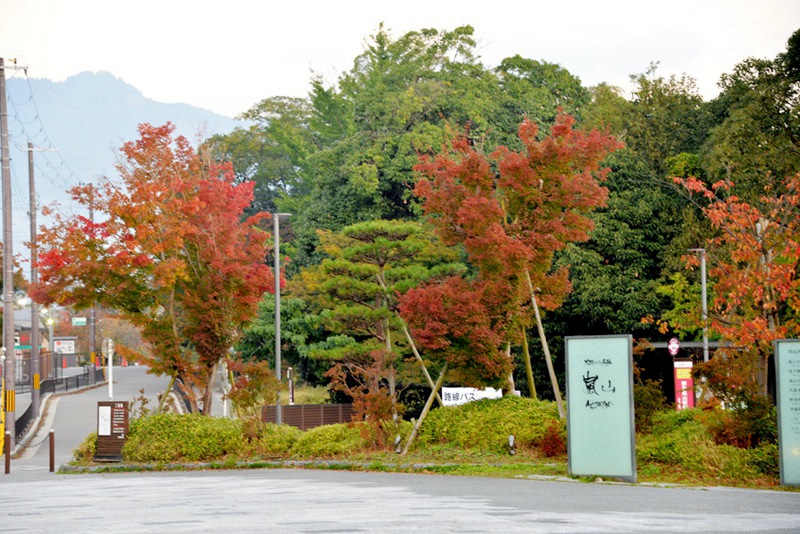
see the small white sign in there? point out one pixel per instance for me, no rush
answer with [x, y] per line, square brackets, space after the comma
[456, 396]
[104, 420]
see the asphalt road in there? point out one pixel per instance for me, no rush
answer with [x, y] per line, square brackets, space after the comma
[316, 501]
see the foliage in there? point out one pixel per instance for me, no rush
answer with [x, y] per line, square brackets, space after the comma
[486, 425]
[666, 117]
[451, 321]
[328, 441]
[254, 386]
[172, 255]
[756, 254]
[265, 439]
[648, 400]
[756, 142]
[369, 265]
[747, 424]
[511, 221]
[86, 451]
[164, 438]
[680, 438]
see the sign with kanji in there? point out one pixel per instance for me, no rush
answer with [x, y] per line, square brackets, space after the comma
[787, 368]
[601, 439]
[112, 430]
[456, 396]
[684, 384]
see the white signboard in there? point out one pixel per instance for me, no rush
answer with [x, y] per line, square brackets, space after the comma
[64, 346]
[600, 426]
[787, 364]
[456, 396]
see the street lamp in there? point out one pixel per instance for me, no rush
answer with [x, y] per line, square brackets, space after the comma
[277, 251]
[704, 298]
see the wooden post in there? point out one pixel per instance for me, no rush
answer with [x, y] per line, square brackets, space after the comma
[52, 450]
[425, 410]
[7, 445]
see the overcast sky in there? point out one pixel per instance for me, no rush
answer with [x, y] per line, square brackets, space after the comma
[227, 55]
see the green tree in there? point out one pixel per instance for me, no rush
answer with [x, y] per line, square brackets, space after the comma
[356, 288]
[756, 143]
[666, 117]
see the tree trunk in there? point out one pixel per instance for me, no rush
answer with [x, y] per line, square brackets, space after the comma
[208, 394]
[510, 387]
[545, 348]
[165, 396]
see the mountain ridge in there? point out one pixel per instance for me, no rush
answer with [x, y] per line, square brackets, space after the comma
[77, 127]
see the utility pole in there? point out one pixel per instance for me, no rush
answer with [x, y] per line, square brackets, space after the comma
[36, 363]
[92, 320]
[9, 371]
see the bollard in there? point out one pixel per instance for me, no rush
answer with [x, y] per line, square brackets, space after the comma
[52, 451]
[7, 445]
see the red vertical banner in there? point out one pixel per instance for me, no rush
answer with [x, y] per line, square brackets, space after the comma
[684, 384]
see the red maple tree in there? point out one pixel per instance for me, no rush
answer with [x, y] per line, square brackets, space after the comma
[171, 253]
[757, 292]
[514, 210]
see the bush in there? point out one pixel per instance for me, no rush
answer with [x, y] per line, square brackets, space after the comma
[486, 424]
[85, 452]
[269, 438]
[329, 440]
[747, 425]
[648, 399]
[191, 437]
[682, 439]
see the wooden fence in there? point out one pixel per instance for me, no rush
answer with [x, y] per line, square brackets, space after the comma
[305, 416]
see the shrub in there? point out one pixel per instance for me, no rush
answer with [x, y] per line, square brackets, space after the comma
[746, 425]
[269, 438]
[85, 452]
[680, 438]
[554, 440]
[648, 398]
[190, 437]
[486, 424]
[329, 440]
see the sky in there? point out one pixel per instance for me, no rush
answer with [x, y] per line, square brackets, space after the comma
[225, 56]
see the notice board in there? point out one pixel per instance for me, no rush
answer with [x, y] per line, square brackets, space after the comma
[112, 430]
[601, 438]
[787, 368]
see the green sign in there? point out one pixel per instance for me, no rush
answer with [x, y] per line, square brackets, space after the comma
[79, 321]
[601, 439]
[787, 367]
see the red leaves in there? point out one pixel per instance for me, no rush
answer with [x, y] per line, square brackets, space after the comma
[756, 253]
[452, 321]
[170, 251]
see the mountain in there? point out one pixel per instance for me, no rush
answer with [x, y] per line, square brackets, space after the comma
[86, 118]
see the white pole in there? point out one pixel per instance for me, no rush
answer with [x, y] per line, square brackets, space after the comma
[110, 369]
[277, 251]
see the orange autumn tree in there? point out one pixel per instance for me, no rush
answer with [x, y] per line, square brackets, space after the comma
[514, 210]
[754, 261]
[172, 253]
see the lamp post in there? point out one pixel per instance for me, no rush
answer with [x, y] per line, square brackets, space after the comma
[704, 298]
[277, 251]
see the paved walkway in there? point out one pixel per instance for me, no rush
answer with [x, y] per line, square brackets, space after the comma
[73, 416]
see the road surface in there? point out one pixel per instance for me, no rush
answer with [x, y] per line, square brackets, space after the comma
[319, 501]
